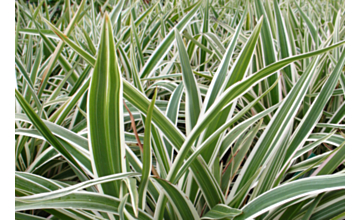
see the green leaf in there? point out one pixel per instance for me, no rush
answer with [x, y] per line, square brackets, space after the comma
[60, 46]
[193, 99]
[74, 188]
[275, 133]
[207, 143]
[122, 207]
[314, 113]
[268, 51]
[105, 113]
[24, 216]
[310, 25]
[221, 211]
[236, 74]
[146, 155]
[165, 45]
[333, 162]
[285, 193]
[216, 86]
[131, 185]
[88, 57]
[183, 206]
[46, 133]
[284, 44]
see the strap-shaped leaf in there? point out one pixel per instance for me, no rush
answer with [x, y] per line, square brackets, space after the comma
[79, 200]
[225, 99]
[237, 73]
[221, 211]
[285, 193]
[268, 51]
[146, 155]
[105, 113]
[59, 47]
[338, 116]
[216, 86]
[310, 25]
[207, 143]
[172, 111]
[185, 209]
[274, 134]
[333, 162]
[313, 115]
[193, 99]
[88, 57]
[205, 29]
[284, 44]
[68, 190]
[29, 184]
[165, 45]
[46, 133]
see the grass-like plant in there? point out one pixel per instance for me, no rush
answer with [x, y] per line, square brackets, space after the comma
[168, 109]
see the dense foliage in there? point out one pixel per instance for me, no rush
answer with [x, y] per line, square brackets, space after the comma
[211, 109]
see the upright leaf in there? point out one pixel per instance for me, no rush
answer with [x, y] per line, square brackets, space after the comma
[146, 155]
[193, 99]
[268, 51]
[105, 113]
[165, 45]
[284, 44]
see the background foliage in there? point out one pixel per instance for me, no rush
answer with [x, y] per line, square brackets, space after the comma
[170, 109]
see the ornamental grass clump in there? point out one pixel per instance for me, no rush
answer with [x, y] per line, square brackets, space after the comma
[208, 109]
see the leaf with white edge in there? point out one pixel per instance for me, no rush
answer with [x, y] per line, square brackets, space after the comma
[193, 99]
[221, 211]
[285, 193]
[185, 210]
[74, 188]
[147, 156]
[105, 113]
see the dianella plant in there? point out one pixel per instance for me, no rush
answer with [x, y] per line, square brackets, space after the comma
[169, 109]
